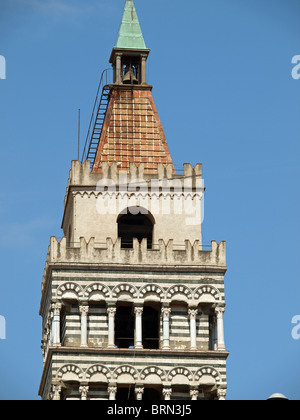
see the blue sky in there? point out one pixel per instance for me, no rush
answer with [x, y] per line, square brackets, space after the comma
[221, 71]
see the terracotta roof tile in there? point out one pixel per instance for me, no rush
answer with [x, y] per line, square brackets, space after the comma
[132, 132]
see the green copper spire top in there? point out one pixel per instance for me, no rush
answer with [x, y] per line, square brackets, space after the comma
[130, 33]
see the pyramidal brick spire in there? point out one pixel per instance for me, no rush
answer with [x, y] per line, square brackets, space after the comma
[132, 131]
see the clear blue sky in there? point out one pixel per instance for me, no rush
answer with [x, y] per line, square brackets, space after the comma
[221, 71]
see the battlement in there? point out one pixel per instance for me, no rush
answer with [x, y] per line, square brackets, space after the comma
[112, 177]
[80, 174]
[162, 254]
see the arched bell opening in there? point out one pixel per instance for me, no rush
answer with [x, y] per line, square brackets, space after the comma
[131, 70]
[139, 226]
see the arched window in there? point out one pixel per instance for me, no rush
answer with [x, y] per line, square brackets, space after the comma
[139, 226]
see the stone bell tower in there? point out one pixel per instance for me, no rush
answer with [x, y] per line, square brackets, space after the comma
[132, 302]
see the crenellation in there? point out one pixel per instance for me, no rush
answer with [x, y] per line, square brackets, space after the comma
[190, 171]
[111, 252]
[80, 174]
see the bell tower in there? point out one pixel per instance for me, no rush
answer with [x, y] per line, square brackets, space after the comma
[132, 300]
[130, 54]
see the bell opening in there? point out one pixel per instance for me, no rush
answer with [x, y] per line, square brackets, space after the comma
[131, 71]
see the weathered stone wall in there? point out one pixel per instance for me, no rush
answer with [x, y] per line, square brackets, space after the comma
[95, 200]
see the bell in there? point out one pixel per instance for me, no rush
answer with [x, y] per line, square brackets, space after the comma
[130, 78]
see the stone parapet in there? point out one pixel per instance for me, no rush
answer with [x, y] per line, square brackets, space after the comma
[162, 254]
[89, 252]
[80, 174]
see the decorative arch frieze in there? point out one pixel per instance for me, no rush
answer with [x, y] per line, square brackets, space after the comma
[98, 369]
[208, 371]
[212, 291]
[70, 288]
[68, 370]
[97, 287]
[179, 290]
[153, 370]
[125, 370]
[151, 288]
[180, 371]
[125, 288]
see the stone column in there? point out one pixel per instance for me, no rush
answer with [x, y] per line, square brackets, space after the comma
[220, 326]
[118, 68]
[84, 389]
[213, 339]
[84, 310]
[138, 328]
[143, 70]
[215, 334]
[193, 329]
[139, 391]
[221, 394]
[56, 392]
[166, 312]
[111, 327]
[167, 392]
[56, 324]
[194, 393]
[112, 392]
